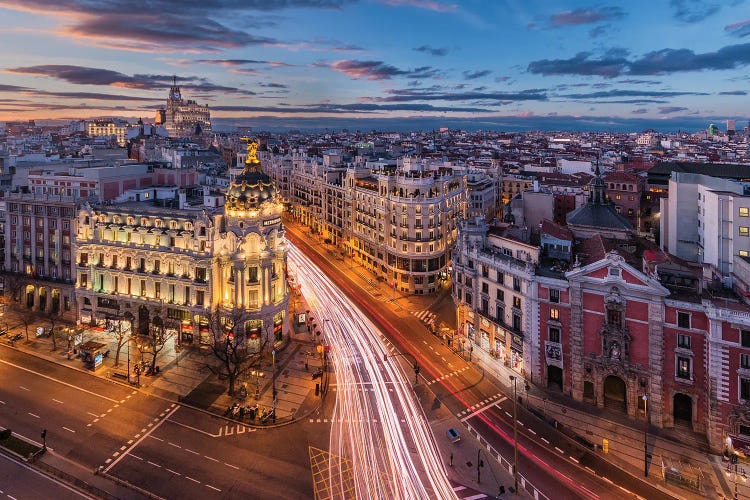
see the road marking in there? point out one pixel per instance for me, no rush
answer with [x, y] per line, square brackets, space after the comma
[590, 469]
[57, 401]
[136, 456]
[173, 472]
[232, 466]
[532, 431]
[12, 497]
[2, 402]
[95, 420]
[139, 441]
[476, 497]
[459, 488]
[213, 487]
[122, 448]
[55, 380]
[192, 428]
[158, 439]
[35, 416]
[193, 480]
[509, 415]
[547, 442]
[69, 430]
[191, 451]
[575, 460]
[484, 408]
[92, 414]
[558, 449]
[155, 465]
[24, 388]
[210, 458]
[175, 445]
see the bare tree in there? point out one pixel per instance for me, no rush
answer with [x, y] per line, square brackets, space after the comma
[54, 317]
[229, 346]
[119, 329]
[160, 332]
[12, 286]
[26, 317]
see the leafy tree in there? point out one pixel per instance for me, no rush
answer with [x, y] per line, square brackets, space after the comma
[160, 332]
[119, 328]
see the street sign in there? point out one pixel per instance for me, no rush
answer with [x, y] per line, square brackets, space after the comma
[327, 348]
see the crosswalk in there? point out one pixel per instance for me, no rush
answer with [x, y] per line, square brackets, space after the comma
[477, 408]
[448, 375]
[465, 493]
[425, 315]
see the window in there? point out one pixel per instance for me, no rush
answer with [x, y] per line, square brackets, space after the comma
[500, 277]
[614, 271]
[500, 294]
[683, 341]
[745, 338]
[614, 317]
[485, 288]
[683, 319]
[744, 231]
[143, 288]
[499, 314]
[199, 298]
[517, 322]
[745, 361]
[744, 211]
[745, 388]
[84, 280]
[554, 314]
[516, 284]
[157, 290]
[517, 302]
[744, 253]
[554, 335]
[683, 367]
[554, 295]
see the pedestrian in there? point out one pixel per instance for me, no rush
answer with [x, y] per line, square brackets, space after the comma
[451, 459]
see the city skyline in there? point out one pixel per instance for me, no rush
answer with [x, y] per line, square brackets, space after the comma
[380, 63]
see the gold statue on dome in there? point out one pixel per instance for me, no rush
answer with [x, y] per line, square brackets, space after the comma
[252, 151]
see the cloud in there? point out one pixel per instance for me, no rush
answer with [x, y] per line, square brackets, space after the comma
[640, 111]
[432, 5]
[438, 94]
[660, 62]
[740, 29]
[733, 92]
[82, 75]
[693, 11]
[377, 70]
[580, 64]
[599, 31]
[591, 15]
[666, 110]
[630, 93]
[474, 75]
[435, 51]
[328, 108]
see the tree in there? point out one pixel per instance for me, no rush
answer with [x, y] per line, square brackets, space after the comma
[54, 317]
[229, 346]
[27, 318]
[12, 286]
[119, 328]
[160, 332]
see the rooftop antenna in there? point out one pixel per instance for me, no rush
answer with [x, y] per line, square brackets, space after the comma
[174, 77]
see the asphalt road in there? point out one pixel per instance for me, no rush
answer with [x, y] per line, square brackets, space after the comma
[556, 474]
[21, 482]
[167, 449]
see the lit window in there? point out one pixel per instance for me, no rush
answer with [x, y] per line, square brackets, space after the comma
[744, 211]
[554, 314]
[744, 231]
[744, 253]
[683, 367]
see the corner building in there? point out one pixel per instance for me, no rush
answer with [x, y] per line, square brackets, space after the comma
[138, 260]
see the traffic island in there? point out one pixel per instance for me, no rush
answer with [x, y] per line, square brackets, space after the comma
[19, 447]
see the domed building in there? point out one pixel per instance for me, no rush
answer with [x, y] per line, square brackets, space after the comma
[250, 251]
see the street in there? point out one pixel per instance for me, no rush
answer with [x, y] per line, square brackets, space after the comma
[554, 466]
[155, 444]
[21, 482]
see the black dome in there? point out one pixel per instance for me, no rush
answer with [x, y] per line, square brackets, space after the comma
[249, 190]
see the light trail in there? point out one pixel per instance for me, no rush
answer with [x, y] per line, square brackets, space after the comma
[388, 458]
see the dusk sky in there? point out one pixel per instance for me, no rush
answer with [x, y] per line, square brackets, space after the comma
[482, 61]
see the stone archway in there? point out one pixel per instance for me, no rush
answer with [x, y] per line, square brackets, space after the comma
[682, 409]
[55, 302]
[42, 299]
[554, 378]
[615, 393]
[29, 296]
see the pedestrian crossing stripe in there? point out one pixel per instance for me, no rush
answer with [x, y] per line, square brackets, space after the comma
[447, 375]
[480, 404]
[425, 315]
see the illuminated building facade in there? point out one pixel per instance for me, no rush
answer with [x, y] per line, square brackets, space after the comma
[185, 263]
[109, 128]
[184, 117]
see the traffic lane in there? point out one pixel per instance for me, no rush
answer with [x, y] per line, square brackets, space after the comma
[278, 456]
[21, 482]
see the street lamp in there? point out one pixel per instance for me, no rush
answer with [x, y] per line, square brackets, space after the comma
[515, 436]
[273, 378]
[737, 472]
[645, 436]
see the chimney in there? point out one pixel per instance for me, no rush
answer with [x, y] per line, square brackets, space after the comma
[182, 195]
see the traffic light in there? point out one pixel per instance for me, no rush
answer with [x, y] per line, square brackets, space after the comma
[317, 389]
[416, 369]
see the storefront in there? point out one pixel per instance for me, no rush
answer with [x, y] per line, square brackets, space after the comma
[484, 333]
[516, 353]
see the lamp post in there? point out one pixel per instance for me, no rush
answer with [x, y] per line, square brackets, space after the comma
[416, 365]
[480, 464]
[645, 436]
[734, 474]
[515, 436]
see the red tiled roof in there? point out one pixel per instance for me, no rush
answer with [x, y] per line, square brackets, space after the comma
[556, 230]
